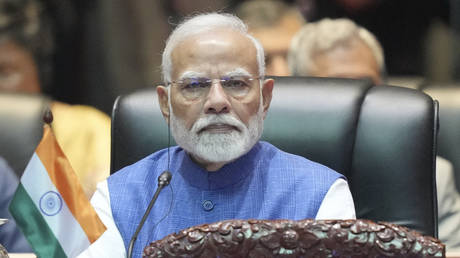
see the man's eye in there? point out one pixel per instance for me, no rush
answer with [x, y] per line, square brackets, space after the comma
[194, 85]
[234, 83]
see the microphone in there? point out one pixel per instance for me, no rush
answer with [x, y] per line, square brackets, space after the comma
[163, 180]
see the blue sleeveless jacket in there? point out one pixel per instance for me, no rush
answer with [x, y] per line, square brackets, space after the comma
[265, 183]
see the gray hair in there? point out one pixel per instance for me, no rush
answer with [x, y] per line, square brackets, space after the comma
[324, 35]
[203, 23]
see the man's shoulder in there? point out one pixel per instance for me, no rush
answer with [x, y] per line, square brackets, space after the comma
[284, 160]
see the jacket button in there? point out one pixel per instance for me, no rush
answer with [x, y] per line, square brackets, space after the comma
[208, 205]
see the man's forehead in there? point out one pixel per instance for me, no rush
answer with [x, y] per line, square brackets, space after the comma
[217, 36]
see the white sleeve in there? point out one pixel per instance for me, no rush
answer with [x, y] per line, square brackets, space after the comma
[338, 202]
[110, 244]
[448, 205]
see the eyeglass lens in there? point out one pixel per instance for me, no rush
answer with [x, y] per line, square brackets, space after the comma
[193, 88]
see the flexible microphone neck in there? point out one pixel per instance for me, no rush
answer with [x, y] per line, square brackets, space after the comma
[163, 180]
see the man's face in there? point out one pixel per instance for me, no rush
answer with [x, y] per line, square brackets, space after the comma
[219, 121]
[276, 41]
[18, 71]
[353, 61]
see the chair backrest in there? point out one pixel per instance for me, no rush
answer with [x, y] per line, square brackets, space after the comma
[381, 138]
[21, 127]
[449, 129]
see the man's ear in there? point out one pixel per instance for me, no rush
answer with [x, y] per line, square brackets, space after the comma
[163, 99]
[267, 89]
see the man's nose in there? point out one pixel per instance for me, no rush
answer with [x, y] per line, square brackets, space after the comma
[217, 100]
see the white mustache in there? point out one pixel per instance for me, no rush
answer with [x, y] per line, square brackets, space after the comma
[226, 119]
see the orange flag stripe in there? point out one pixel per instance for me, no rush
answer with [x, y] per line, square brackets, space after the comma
[64, 178]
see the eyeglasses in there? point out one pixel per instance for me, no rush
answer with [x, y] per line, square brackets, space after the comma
[195, 88]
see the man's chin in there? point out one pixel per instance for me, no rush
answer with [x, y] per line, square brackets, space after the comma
[219, 152]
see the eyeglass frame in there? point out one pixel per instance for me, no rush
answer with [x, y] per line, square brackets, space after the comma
[212, 81]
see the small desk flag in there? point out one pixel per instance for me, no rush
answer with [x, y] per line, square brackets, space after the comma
[50, 206]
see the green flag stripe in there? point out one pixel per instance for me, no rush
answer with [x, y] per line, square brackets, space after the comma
[34, 227]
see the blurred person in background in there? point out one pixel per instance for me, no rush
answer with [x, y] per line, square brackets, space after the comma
[273, 23]
[401, 26]
[11, 237]
[26, 54]
[340, 48]
[336, 48]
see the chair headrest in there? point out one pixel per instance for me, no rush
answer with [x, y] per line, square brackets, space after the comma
[21, 127]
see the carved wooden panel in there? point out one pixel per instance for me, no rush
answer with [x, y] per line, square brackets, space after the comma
[305, 238]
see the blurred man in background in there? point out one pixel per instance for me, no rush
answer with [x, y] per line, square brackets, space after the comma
[273, 23]
[402, 27]
[340, 48]
[26, 56]
[336, 48]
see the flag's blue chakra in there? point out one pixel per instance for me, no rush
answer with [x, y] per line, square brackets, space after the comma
[50, 203]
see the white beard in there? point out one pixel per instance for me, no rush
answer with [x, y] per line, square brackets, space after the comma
[218, 147]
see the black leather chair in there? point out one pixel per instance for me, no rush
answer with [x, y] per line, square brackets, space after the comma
[21, 127]
[449, 120]
[381, 138]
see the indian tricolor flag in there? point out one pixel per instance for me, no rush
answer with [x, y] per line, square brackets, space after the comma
[50, 206]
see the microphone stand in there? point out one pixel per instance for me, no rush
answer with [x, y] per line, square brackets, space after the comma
[163, 181]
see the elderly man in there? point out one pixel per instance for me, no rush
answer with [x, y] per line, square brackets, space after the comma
[215, 99]
[340, 48]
